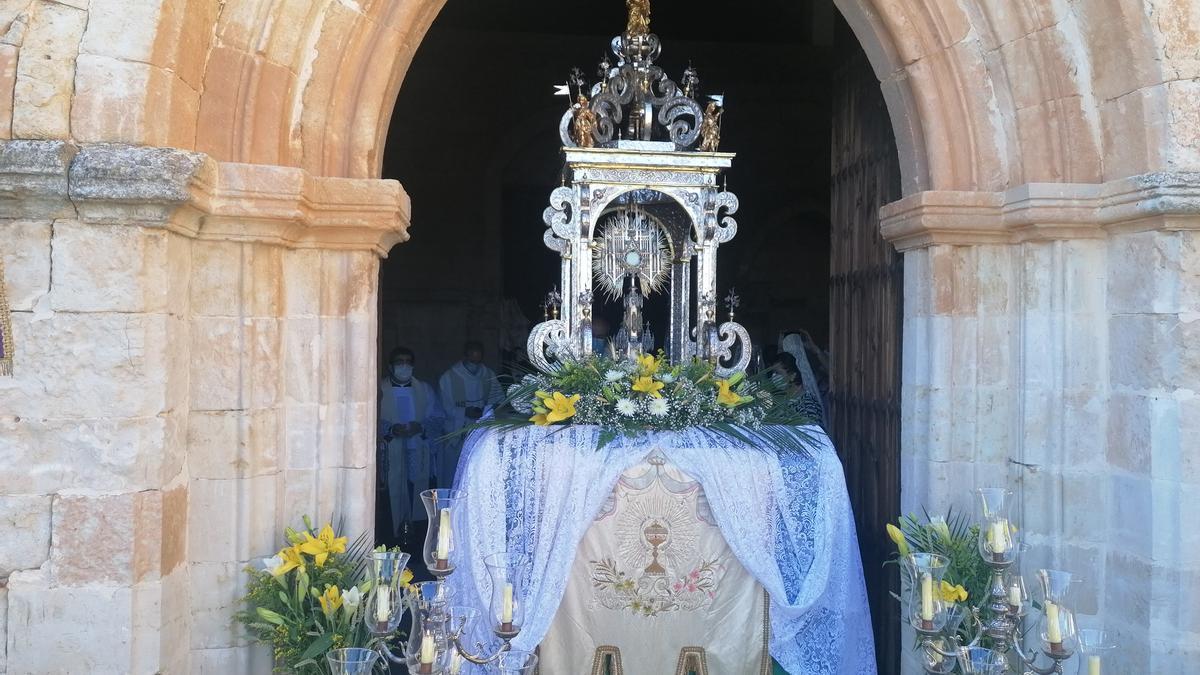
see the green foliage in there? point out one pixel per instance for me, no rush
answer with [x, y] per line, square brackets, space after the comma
[961, 548]
[753, 410]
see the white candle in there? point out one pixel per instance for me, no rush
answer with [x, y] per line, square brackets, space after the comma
[428, 650]
[1014, 596]
[455, 663]
[999, 536]
[926, 597]
[443, 540]
[506, 611]
[1093, 665]
[383, 609]
[1053, 631]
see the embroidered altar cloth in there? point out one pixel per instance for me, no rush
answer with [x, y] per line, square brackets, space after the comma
[534, 492]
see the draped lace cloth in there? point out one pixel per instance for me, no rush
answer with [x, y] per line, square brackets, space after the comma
[533, 492]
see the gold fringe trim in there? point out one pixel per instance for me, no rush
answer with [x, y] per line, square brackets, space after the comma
[692, 660]
[598, 660]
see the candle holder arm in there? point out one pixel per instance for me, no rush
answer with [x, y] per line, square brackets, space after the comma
[456, 640]
[1055, 668]
[388, 654]
[476, 658]
[928, 645]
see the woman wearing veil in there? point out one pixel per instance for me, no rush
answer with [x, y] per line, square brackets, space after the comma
[794, 344]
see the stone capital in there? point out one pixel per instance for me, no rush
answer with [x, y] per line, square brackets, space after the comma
[1044, 211]
[191, 194]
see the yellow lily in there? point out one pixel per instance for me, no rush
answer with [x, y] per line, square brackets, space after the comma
[331, 600]
[647, 364]
[557, 408]
[726, 396]
[953, 593]
[291, 558]
[324, 544]
[648, 385]
[898, 537]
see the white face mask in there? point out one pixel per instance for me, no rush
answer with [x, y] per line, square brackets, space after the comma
[402, 372]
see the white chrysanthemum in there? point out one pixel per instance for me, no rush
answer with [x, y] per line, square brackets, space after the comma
[613, 375]
[626, 407]
[666, 377]
[659, 407]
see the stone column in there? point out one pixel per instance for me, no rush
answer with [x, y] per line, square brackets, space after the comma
[1046, 347]
[195, 371]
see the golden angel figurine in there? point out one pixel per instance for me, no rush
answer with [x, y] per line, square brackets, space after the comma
[710, 127]
[584, 123]
[639, 17]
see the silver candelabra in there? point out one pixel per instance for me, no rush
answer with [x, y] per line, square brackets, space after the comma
[438, 628]
[1000, 617]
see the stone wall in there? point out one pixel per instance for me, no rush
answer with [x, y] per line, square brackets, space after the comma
[195, 346]
[1049, 347]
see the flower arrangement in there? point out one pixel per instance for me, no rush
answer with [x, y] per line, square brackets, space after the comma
[967, 577]
[633, 396]
[305, 600]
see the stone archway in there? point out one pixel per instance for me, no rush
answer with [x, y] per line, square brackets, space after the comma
[222, 292]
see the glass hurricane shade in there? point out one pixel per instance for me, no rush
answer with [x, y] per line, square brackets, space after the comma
[1095, 652]
[351, 661]
[995, 533]
[385, 601]
[516, 662]
[980, 661]
[442, 506]
[507, 607]
[927, 611]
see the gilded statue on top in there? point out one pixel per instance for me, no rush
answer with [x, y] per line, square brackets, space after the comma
[710, 127]
[585, 122]
[639, 17]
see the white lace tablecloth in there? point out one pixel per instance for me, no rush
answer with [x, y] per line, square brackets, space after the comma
[533, 492]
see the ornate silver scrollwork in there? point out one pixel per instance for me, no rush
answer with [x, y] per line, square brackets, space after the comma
[729, 334]
[727, 202]
[564, 129]
[549, 346]
[554, 242]
[560, 215]
[674, 116]
[607, 107]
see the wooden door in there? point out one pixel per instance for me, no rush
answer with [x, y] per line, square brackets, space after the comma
[866, 285]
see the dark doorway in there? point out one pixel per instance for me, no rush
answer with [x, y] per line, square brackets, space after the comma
[474, 142]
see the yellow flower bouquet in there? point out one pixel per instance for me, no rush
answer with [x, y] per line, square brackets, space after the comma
[305, 600]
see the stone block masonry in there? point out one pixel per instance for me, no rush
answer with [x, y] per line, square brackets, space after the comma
[160, 300]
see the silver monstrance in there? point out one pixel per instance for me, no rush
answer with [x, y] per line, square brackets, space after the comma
[641, 213]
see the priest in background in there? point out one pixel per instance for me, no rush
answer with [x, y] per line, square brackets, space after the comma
[466, 389]
[410, 418]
